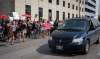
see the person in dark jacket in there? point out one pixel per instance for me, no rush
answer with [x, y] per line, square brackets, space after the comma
[33, 30]
[55, 26]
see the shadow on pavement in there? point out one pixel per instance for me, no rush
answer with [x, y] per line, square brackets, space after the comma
[44, 49]
[2, 43]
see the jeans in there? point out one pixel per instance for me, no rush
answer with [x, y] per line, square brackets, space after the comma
[33, 35]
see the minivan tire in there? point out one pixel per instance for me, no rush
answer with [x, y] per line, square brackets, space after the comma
[86, 48]
[98, 41]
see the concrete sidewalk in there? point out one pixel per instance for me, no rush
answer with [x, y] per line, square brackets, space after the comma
[20, 48]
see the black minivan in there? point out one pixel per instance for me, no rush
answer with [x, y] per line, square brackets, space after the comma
[75, 35]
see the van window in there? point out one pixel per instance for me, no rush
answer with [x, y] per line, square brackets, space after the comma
[91, 27]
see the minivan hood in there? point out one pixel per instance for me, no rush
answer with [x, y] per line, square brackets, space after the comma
[65, 34]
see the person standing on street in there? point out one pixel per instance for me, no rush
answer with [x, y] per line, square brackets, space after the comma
[47, 26]
[12, 32]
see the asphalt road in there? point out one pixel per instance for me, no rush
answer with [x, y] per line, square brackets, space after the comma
[38, 49]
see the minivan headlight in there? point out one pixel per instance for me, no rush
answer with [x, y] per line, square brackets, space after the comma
[78, 40]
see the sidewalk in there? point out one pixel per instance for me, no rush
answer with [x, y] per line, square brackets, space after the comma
[30, 43]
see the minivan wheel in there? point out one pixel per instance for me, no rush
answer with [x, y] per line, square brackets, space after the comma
[86, 48]
[98, 41]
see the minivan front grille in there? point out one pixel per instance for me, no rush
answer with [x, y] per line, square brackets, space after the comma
[62, 41]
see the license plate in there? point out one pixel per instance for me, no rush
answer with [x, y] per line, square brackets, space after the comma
[59, 47]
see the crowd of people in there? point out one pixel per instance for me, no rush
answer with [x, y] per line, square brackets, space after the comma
[22, 29]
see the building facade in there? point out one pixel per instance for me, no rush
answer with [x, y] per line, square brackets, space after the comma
[47, 9]
[91, 8]
[51, 9]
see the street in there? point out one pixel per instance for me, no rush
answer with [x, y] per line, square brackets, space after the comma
[38, 49]
[67, 24]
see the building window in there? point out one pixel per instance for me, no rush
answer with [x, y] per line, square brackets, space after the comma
[76, 16]
[72, 15]
[90, 4]
[57, 15]
[76, 0]
[82, 9]
[50, 15]
[80, 1]
[89, 10]
[93, 1]
[57, 2]
[40, 13]
[68, 15]
[50, 1]
[68, 5]
[63, 15]
[63, 3]
[76, 7]
[72, 6]
[83, 2]
[28, 9]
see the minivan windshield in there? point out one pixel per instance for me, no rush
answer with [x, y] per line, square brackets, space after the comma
[73, 24]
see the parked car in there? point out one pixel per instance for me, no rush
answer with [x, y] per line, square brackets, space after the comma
[75, 35]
